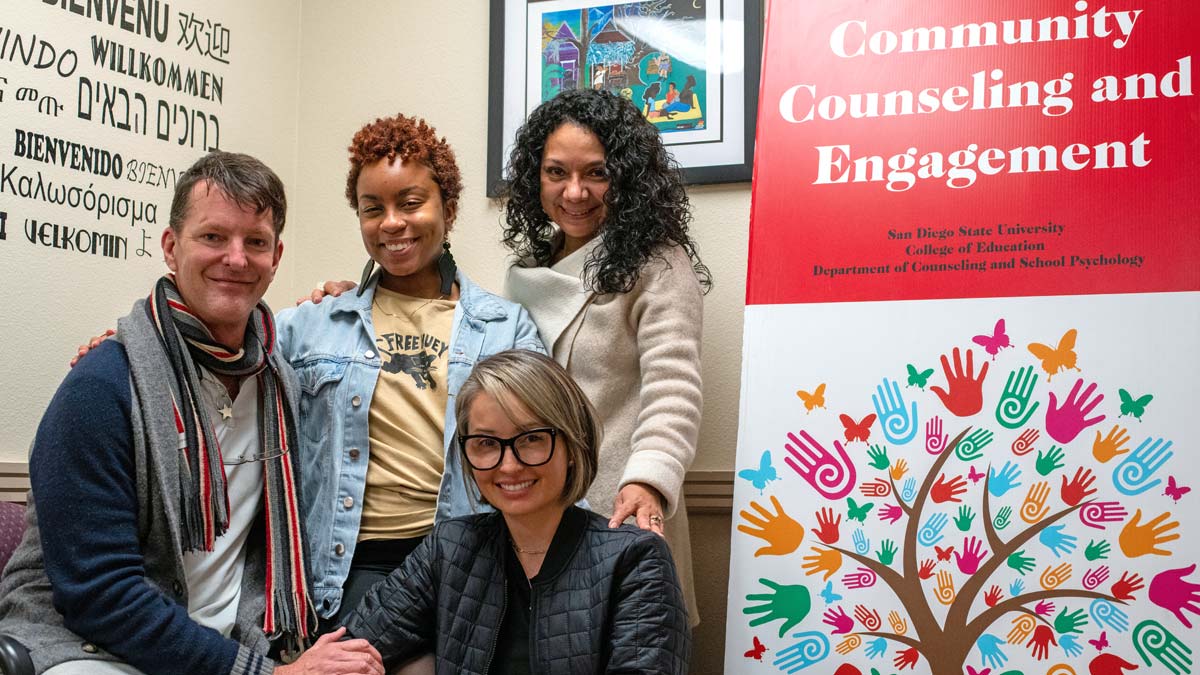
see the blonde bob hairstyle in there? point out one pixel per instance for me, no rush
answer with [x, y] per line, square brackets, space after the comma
[545, 389]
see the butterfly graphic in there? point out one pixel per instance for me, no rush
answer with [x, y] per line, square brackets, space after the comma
[813, 400]
[828, 595]
[1134, 406]
[943, 553]
[765, 473]
[758, 651]
[993, 343]
[918, 378]
[856, 512]
[1101, 643]
[859, 431]
[1062, 357]
[1174, 491]
[971, 671]
[974, 475]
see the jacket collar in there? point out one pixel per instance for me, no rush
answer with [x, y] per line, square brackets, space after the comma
[475, 302]
[562, 548]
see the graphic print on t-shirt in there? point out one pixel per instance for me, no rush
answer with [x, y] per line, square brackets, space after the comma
[414, 355]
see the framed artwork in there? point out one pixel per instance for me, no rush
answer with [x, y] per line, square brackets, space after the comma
[691, 66]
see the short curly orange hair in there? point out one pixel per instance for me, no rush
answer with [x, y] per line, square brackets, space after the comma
[410, 138]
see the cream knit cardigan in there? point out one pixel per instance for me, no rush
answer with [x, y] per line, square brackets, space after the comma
[637, 357]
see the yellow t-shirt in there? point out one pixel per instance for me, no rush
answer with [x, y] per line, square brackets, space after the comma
[407, 416]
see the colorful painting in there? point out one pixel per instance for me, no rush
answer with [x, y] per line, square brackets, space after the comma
[652, 52]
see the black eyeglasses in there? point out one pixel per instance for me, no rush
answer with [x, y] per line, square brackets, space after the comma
[531, 448]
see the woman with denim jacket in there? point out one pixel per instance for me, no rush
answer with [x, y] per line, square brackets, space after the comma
[379, 369]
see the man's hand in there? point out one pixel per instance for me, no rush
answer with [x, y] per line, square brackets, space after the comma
[330, 288]
[330, 657]
[91, 344]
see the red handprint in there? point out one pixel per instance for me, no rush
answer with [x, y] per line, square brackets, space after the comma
[1079, 488]
[869, 618]
[837, 618]
[1043, 637]
[965, 397]
[1109, 664]
[1126, 585]
[906, 658]
[993, 596]
[948, 491]
[827, 528]
[968, 559]
[1064, 424]
[926, 570]
[1169, 591]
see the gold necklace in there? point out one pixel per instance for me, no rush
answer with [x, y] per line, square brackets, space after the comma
[527, 551]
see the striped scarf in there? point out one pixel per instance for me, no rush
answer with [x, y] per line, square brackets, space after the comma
[205, 508]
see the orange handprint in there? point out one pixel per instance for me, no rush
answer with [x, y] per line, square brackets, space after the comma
[899, 469]
[1054, 577]
[1138, 540]
[781, 532]
[1110, 446]
[1034, 508]
[899, 624]
[826, 560]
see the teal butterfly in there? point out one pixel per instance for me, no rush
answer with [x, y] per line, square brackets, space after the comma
[1134, 406]
[765, 473]
[918, 379]
[828, 595]
[856, 512]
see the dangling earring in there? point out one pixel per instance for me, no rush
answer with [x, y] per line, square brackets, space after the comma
[366, 276]
[446, 268]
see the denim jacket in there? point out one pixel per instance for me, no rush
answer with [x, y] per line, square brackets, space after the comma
[331, 346]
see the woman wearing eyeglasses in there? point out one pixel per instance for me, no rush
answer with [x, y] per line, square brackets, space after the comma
[539, 585]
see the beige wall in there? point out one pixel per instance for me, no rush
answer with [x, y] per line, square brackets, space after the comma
[54, 299]
[429, 58]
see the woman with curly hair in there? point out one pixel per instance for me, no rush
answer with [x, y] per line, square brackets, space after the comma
[597, 218]
[379, 369]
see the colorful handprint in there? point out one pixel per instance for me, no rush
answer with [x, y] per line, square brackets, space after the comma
[1014, 409]
[899, 423]
[831, 474]
[963, 396]
[782, 534]
[1152, 640]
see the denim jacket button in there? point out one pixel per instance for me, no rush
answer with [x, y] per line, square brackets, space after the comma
[369, 354]
[353, 453]
[339, 550]
[356, 401]
[348, 502]
[89, 648]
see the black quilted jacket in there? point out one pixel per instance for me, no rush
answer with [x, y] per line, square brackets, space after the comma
[614, 605]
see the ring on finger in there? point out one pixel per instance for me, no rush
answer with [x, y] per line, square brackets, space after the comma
[656, 520]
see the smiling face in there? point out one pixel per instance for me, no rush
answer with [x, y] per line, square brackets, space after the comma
[573, 184]
[224, 256]
[403, 223]
[533, 493]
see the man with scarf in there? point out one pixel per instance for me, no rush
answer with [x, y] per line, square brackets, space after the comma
[164, 532]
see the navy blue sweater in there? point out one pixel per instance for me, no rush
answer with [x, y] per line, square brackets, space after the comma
[85, 491]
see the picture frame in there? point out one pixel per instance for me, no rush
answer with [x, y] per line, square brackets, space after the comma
[692, 66]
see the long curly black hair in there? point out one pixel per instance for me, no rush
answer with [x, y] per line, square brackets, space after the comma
[647, 206]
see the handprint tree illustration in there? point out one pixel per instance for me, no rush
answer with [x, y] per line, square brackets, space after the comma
[954, 613]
